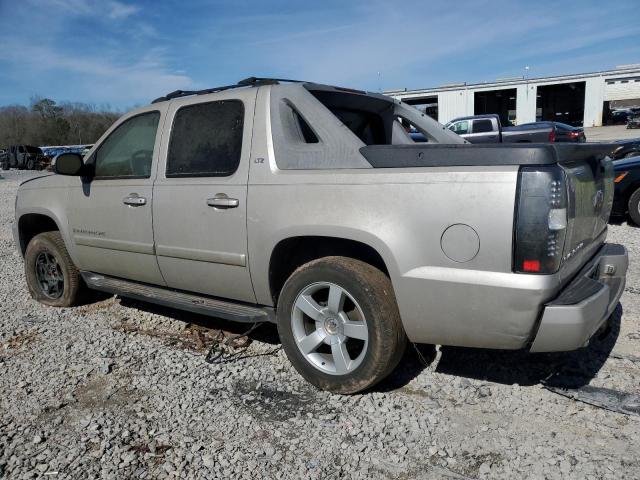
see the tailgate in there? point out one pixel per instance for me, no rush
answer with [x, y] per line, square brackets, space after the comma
[589, 174]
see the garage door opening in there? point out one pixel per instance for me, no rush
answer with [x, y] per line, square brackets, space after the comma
[561, 103]
[428, 105]
[499, 102]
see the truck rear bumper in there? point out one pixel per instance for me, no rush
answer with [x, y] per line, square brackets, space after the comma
[584, 305]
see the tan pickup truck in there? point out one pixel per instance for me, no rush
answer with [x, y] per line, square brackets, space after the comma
[311, 206]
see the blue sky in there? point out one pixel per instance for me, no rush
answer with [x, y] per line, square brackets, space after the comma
[126, 52]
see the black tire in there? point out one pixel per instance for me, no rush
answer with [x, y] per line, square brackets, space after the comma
[634, 207]
[31, 164]
[373, 292]
[51, 244]
[5, 165]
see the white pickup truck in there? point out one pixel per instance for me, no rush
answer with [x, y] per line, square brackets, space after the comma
[311, 206]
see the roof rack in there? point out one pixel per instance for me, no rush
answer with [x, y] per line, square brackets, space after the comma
[247, 82]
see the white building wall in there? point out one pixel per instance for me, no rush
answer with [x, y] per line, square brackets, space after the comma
[593, 100]
[453, 104]
[526, 103]
[622, 91]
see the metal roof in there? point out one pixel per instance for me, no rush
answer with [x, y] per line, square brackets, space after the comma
[622, 70]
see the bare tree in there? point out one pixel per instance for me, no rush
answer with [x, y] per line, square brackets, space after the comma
[45, 122]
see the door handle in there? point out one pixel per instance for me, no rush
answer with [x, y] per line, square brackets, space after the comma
[222, 201]
[134, 200]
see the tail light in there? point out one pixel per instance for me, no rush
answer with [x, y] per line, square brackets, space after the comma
[541, 220]
[552, 136]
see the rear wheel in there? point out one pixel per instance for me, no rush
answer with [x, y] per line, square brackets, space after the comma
[52, 277]
[5, 164]
[339, 324]
[31, 164]
[634, 207]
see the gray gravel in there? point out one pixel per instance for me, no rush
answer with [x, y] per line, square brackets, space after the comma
[119, 389]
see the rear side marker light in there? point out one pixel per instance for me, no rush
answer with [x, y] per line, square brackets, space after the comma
[620, 177]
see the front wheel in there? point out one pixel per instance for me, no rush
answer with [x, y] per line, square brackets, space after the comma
[52, 277]
[634, 207]
[339, 324]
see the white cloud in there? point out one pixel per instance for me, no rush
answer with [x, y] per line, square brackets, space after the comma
[119, 10]
[112, 9]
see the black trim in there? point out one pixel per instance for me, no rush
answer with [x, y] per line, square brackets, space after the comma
[236, 311]
[123, 177]
[441, 155]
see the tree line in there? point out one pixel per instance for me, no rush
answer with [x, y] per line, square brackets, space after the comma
[45, 122]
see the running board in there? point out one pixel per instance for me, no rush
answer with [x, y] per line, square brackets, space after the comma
[213, 307]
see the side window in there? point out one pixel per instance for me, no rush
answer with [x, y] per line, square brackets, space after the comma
[206, 140]
[295, 127]
[482, 126]
[128, 151]
[460, 127]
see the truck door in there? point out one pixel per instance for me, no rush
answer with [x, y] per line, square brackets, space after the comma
[110, 214]
[200, 195]
[483, 131]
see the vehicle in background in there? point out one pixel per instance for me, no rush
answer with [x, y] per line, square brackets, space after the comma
[619, 117]
[489, 129]
[26, 157]
[86, 150]
[4, 159]
[633, 122]
[564, 132]
[626, 148]
[626, 198]
[53, 151]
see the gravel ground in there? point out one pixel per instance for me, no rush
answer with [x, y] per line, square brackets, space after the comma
[120, 389]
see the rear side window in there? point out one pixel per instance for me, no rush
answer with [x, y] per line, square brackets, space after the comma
[128, 151]
[482, 126]
[206, 140]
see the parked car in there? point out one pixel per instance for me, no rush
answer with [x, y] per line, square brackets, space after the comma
[563, 131]
[26, 157]
[4, 159]
[633, 122]
[488, 129]
[86, 149]
[310, 206]
[619, 117]
[627, 188]
[625, 148]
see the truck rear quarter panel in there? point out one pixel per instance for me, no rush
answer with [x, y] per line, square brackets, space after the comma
[467, 298]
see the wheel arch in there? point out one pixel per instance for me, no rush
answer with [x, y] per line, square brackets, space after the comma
[33, 223]
[292, 252]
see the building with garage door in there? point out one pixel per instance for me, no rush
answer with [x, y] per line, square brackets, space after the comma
[587, 99]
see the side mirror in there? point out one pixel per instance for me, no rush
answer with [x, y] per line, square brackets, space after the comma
[69, 164]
